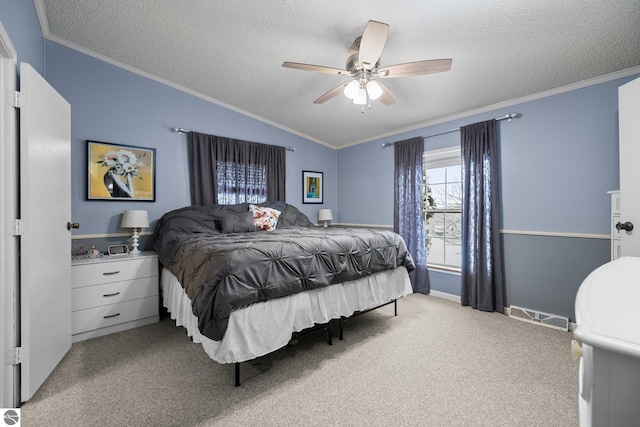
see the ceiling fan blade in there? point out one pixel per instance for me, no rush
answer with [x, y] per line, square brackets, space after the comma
[331, 94]
[417, 68]
[372, 43]
[316, 68]
[387, 97]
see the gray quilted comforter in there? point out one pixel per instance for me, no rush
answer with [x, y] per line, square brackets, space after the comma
[221, 272]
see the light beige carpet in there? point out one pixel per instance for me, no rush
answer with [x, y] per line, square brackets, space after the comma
[436, 364]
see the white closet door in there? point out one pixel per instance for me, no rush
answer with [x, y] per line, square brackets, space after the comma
[629, 120]
[45, 242]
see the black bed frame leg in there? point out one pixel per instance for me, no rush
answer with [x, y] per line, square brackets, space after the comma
[340, 320]
[237, 374]
[395, 307]
[330, 336]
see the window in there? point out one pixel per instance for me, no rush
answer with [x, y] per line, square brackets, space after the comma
[241, 183]
[230, 171]
[442, 207]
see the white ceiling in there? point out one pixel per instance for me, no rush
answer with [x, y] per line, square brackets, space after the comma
[232, 53]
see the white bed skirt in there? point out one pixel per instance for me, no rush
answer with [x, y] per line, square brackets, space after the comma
[264, 327]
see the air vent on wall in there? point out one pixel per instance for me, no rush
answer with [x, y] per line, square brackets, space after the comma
[538, 317]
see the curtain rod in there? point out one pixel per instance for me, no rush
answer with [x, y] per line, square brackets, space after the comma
[182, 130]
[497, 119]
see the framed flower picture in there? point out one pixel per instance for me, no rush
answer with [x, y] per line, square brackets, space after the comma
[120, 172]
[312, 187]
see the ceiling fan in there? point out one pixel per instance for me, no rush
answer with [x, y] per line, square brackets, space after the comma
[364, 67]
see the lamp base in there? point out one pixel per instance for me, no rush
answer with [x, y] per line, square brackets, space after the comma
[135, 244]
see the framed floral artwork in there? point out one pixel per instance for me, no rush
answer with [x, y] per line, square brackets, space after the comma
[120, 172]
[312, 187]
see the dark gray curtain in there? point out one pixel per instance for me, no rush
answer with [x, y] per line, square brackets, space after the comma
[407, 218]
[235, 171]
[481, 252]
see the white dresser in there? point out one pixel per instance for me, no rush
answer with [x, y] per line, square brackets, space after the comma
[608, 333]
[112, 294]
[615, 218]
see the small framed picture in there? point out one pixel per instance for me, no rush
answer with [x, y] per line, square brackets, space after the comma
[120, 172]
[312, 187]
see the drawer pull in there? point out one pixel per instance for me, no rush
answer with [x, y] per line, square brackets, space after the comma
[109, 273]
[110, 316]
[111, 295]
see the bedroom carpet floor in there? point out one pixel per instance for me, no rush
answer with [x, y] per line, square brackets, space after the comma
[436, 364]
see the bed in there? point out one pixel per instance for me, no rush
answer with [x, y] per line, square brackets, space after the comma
[241, 279]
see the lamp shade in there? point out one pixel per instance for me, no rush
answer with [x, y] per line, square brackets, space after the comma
[351, 90]
[135, 219]
[374, 89]
[325, 215]
[361, 97]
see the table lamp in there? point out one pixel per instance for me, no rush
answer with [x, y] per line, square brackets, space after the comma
[135, 219]
[325, 215]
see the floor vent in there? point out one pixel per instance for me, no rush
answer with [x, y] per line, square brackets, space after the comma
[539, 318]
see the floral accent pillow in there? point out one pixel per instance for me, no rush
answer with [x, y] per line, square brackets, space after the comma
[265, 218]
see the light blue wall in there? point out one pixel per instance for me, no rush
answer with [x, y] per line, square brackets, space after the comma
[20, 20]
[545, 272]
[365, 172]
[111, 104]
[114, 105]
[557, 162]
[560, 159]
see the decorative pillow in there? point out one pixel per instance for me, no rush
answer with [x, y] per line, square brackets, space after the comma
[237, 222]
[264, 218]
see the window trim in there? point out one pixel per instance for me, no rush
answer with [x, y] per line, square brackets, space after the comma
[456, 271]
[442, 157]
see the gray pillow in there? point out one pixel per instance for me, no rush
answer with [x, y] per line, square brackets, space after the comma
[237, 222]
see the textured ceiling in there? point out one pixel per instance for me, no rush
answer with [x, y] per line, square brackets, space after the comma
[232, 52]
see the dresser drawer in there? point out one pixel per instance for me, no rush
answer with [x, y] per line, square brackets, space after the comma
[113, 314]
[113, 271]
[615, 202]
[112, 293]
[615, 218]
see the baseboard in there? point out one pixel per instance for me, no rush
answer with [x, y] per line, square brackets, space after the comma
[444, 295]
[456, 298]
[540, 318]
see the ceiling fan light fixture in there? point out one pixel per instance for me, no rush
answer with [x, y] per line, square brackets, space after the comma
[363, 66]
[374, 90]
[351, 90]
[361, 98]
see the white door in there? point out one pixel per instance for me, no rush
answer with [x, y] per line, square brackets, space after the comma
[8, 212]
[629, 124]
[45, 243]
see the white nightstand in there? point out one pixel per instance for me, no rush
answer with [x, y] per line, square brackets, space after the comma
[113, 293]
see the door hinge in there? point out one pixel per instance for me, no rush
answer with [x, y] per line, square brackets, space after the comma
[19, 227]
[16, 99]
[16, 355]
